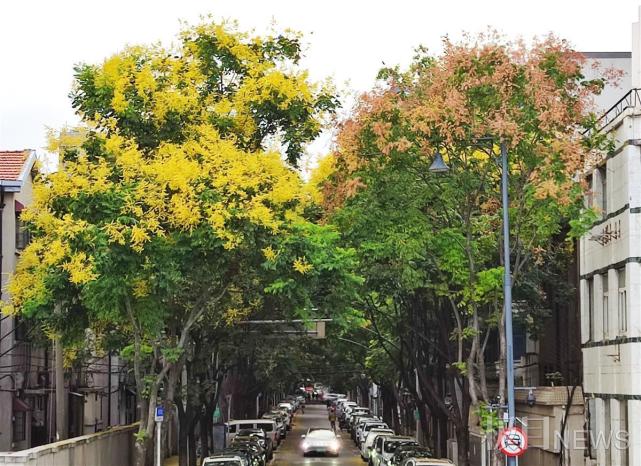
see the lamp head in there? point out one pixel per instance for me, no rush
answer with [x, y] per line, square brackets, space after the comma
[438, 165]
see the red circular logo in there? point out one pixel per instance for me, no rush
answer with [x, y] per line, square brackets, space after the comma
[512, 441]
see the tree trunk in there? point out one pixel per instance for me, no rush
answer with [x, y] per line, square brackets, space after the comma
[143, 452]
[192, 444]
[463, 443]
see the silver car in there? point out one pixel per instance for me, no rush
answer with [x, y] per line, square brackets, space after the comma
[224, 461]
[320, 440]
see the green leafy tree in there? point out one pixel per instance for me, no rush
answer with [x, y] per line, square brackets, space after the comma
[429, 243]
[167, 194]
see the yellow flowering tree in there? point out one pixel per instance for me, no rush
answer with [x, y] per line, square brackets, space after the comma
[166, 205]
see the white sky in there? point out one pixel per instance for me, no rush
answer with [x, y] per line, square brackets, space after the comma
[40, 41]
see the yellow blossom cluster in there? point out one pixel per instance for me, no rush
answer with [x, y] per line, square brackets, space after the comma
[207, 177]
[206, 182]
[302, 266]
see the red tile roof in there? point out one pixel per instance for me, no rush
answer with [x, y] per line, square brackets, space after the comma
[12, 163]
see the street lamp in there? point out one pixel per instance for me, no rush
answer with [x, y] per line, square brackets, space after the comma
[439, 166]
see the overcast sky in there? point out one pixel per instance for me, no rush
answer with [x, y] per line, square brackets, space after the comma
[40, 41]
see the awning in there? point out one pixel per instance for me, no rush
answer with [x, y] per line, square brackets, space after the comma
[19, 405]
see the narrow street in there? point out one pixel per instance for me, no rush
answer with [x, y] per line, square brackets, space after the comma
[315, 416]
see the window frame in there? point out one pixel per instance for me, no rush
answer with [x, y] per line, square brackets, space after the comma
[622, 301]
[605, 306]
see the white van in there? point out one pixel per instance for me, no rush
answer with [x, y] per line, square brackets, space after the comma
[269, 426]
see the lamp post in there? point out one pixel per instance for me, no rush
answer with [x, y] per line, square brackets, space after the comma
[439, 166]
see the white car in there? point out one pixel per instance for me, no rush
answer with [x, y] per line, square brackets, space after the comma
[385, 447]
[268, 426]
[224, 461]
[364, 428]
[426, 462]
[320, 440]
[288, 406]
[342, 408]
[367, 445]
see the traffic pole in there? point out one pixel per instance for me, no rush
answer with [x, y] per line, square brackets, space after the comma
[158, 433]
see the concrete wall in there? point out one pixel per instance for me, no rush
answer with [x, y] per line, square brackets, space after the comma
[110, 448]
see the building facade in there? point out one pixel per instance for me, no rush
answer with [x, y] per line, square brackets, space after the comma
[24, 415]
[610, 275]
[97, 391]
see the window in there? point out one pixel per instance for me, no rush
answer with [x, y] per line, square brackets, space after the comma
[23, 237]
[591, 334]
[622, 437]
[603, 190]
[20, 329]
[607, 430]
[592, 428]
[519, 342]
[589, 197]
[622, 302]
[606, 311]
[19, 426]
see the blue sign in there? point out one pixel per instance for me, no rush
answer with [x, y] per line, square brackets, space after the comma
[160, 413]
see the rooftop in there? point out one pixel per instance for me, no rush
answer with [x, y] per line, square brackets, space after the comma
[12, 164]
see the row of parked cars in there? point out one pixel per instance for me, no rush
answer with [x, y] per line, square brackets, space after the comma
[252, 442]
[379, 445]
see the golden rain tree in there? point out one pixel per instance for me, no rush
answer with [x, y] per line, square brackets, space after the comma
[174, 187]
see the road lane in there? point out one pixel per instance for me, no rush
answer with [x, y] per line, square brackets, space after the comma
[289, 452]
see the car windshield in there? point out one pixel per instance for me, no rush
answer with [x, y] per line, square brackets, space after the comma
[373, 426]
[392, 445]
[321, 434]
[266, 426]
[251, 432]
[415, 451]
[222, 462]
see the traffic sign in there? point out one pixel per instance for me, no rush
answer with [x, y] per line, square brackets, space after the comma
[160, 414]
[512, 441]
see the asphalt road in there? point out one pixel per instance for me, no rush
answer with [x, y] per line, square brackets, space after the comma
[289, 452]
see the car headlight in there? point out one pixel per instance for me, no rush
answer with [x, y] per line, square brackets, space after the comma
[334, 445]
[305, 445]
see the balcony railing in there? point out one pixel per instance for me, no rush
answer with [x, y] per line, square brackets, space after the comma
[630, 100]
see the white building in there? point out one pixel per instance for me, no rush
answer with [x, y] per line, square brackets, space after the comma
[610, 275]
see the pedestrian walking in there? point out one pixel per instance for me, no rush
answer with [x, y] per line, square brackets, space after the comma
[332, 419]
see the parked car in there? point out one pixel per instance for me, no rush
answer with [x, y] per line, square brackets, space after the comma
[258, 436]
[426, 462]
[355, 412]
[320, 440]
[384, 448]
[356, 420]
[287, 419]
[266, 425]
[281, 424]
[341, 407]
[364, 427]
[255, 453]
[368, 444]
[225, 460]
[409, 451]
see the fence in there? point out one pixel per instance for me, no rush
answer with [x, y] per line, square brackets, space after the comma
[113, 447]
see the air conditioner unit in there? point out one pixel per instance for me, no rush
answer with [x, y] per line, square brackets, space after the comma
[18, 378]
[43, 379]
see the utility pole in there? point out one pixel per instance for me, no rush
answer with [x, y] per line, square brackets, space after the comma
[61, 397]
[507, 295]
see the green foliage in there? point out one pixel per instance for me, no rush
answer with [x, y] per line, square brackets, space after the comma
[489, 419]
